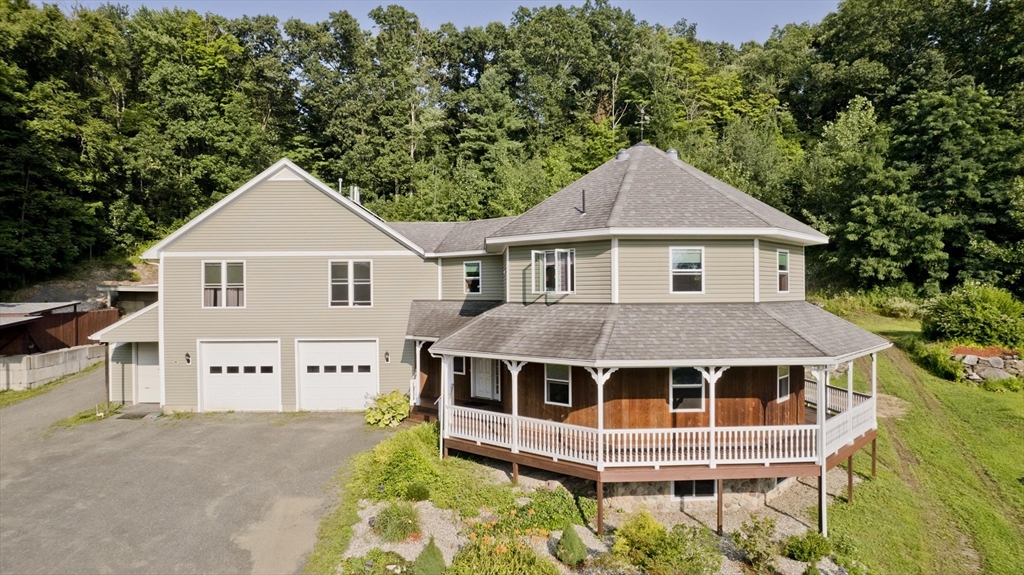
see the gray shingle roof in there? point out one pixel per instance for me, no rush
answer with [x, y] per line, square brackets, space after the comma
[446, 237]
[614, 334]
[434, 319]
[649, 189]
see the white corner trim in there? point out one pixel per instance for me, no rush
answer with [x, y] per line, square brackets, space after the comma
[161, 347]
[615, 270]
[508, 277]
[757, 270]
[440, 273]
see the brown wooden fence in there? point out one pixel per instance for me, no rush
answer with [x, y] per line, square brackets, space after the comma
[56, 331]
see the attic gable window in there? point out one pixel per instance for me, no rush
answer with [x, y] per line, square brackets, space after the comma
[471, 274]
[783, 256]
[223, 284]
[351, 284]
[687, 270]
[554, 271]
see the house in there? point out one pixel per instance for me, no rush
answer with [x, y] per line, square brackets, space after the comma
[644, 327]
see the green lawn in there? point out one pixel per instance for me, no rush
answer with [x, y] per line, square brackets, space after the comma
[12, 396]
[87, 416]
[948, 497]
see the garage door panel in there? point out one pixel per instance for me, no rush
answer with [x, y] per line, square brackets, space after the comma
[337, 375]
[241, 376]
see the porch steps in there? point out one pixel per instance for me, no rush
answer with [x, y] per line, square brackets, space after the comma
[423, 414]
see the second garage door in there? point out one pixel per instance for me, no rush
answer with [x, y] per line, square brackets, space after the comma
[336, 375]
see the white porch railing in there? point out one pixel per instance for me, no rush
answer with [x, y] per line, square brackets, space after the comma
[841, 429]
[836, 396]
[647, 447]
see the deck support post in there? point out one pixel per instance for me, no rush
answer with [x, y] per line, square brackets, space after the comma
[600, 376]
[513, 368]
[711, 375]
[873, 456]
[447, 378]
[720, 496]
[515, 473]
[821, 374]
[414, 384]
[849, 479]
[600, 508]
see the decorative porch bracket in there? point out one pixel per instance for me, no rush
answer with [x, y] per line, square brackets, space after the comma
[600, 375]
[514, 367]
[820, 373]
[711, 375]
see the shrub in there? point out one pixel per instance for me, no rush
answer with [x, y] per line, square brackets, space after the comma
[809, 547]
[1014, 384]
[551, 509]
[638, 538]
[417, 492]
[608, 564]
[407, 458]
[570, 549]
[933, 356]
[686, 551]
[397, 522]
[588, 508]
[844, 552]
[376, 562]
[975, 313]
[899, 307]
[488, 556]
[430, 561]
[756, 539]
[388, 410]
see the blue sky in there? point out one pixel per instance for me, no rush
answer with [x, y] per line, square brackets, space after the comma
[734, 21]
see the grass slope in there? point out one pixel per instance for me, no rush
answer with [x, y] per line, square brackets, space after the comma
[948, 497]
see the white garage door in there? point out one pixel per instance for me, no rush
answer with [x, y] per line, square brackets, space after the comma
[241, 376]
[336, 375]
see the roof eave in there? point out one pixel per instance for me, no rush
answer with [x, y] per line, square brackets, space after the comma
[799, 238]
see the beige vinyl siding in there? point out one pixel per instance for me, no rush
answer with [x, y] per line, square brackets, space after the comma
[492, 278]
[769, 272]
[287, 298]
[141, 326]
[122, 373]
[644, 270]
[284, 215]
[593, 273]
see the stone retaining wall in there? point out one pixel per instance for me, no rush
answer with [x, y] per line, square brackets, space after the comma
[657, 495]
[979, 369]
[28, 371]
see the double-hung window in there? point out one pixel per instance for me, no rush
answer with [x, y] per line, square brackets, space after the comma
[687, 270]
[558, 384]
[686, 389]
[459, 365]
[782, 379]
[554, 271]
[223, 284]
[471, 274]
[783, 258]
[351, 284]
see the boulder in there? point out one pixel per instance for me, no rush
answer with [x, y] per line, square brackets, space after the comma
[970, 360]
[973, 376]
[993, 373]
[996, 362]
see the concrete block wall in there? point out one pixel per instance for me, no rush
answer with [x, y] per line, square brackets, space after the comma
[28, 371]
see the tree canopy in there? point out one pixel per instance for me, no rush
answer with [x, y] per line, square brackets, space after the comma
[894, 126]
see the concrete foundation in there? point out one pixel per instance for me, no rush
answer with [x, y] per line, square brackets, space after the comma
[657, 495]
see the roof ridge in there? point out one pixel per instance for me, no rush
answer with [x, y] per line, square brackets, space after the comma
[779, 318]
[624, 186]
[701, 176]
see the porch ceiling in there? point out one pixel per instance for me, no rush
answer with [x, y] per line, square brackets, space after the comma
[610, 335]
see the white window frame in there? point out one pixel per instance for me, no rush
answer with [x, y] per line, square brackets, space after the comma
[778, 383]
[558, 273]
[457, 371]
[780, 272]
[479, 278]
[677, 497]
[672, 272]
[223, 284]
[547, 381]
[351, 284]
[703, 393]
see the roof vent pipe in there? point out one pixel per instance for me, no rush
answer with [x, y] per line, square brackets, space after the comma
[354, 193]
[621, 155]
[341, 190]
[672, 153]
[583, 193]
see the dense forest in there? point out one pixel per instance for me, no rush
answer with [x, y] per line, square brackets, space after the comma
[894, 126]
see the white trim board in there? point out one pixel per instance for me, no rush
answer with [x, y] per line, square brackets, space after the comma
[290, 254]
[601, 233]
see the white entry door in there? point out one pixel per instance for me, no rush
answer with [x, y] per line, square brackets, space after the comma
[147, 372]
[240, 376]
[337, 375]
[486, 383]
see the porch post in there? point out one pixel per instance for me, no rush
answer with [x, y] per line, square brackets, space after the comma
[821, 374]
[414, 384]
[513, 368]
[446, 374]
[711, 375]
[849, 385]
[874, 393]
[600, 376]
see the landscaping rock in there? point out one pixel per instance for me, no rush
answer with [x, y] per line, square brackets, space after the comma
[996, 362]
[970, 360]
[992, 373]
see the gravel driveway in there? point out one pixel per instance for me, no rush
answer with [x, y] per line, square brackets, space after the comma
[221, 493]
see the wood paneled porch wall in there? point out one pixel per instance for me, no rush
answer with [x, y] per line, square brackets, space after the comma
[636, 398]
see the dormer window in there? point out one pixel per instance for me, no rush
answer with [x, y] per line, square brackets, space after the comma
[783, 259]
[687, 270]
[471, 275]
[554, 271]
